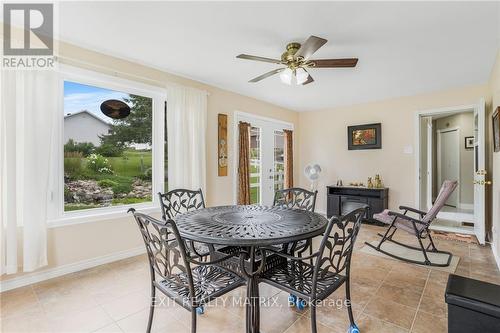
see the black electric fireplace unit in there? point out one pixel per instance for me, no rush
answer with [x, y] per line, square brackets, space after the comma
[344, 199]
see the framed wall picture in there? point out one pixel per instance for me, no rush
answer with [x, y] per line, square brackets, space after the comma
[469, 142]
[496, 130]
[367, 136]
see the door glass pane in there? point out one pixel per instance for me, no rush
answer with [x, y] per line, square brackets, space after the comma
[279, 160]
[255, 165]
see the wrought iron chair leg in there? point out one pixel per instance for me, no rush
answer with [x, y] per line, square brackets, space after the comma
[313, 318]
[348, 298]
[193, 321]
[151, 308]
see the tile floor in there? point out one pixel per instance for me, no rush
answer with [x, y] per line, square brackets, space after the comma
[388, 296]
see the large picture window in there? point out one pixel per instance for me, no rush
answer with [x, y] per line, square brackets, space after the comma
[108, 157]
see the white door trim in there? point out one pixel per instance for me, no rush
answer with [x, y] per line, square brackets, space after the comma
[438, 154]
[430, 112]
[430, 174]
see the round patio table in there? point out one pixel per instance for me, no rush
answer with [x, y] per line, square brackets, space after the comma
[252, 227]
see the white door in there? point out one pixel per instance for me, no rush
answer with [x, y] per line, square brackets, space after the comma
[266, 156]
[479, 171]
[448, 161]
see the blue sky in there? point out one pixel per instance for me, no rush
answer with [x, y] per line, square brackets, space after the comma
[78, 97]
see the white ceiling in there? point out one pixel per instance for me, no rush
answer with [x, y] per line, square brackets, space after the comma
[403, 48]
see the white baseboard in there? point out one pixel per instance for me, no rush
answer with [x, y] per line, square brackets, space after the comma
[30, 278]
[466, 206]
[495, 254]
[321, 212]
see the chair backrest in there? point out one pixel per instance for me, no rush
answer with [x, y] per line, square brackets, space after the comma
[336, 247]
[444, 194]
[295, 197]
[180, 201]
[166, 253]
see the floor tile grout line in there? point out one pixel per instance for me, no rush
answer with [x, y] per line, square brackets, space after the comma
[289, 327]
[375, 318]
[420, 300]
[376, 291]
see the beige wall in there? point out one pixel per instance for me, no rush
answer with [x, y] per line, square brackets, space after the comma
[465, 122]
[320, 138]
[494, 86]
[323, 140]
[76, 243]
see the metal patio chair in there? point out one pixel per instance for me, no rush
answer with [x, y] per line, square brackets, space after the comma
[297, 198]
[179, 201]
[418, 227]
[314, 283]
[171, 272]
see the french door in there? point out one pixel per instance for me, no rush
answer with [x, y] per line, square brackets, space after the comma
[266, 156]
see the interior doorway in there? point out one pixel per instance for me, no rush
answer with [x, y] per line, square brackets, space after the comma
[451, 146]
[448, 160]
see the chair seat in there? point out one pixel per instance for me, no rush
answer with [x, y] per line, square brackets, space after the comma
[209, 282]
[400, 223]
[296, 277]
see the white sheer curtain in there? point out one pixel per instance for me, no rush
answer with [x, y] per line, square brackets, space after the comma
[28, 145]
[186, 129]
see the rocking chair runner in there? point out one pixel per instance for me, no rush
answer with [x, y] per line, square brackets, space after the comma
[417, 227]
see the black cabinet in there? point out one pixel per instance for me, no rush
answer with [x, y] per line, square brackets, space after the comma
[343, 199]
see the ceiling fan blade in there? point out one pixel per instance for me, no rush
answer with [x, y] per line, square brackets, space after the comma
[256, 58]
[266, 75]
[309, 80]
[311, 45]
[332, 63]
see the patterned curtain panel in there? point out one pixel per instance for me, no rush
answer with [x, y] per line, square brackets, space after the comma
[244, 164]
[288, 158]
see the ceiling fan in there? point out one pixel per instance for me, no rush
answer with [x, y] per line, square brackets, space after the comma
[297, 62]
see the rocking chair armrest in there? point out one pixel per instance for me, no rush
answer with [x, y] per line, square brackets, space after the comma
[284, 255]
[408, 218]
[414, 210]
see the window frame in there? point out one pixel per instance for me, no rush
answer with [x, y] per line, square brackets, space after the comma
[57, 215]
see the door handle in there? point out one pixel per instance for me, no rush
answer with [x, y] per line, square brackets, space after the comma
[482, 182]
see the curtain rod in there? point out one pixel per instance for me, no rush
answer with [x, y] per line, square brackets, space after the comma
[117, 73]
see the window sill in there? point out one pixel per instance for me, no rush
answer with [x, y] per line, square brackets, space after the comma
[97, 215]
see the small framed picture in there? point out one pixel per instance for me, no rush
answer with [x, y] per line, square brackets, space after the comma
[469, 142]
[496, 130]
[364, 136]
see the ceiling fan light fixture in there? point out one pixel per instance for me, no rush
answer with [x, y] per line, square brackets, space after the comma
[301, 75]
[286, 76]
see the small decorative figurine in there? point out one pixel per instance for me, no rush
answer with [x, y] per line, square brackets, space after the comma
[378, 182]
[369, 183]
[339, 182]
